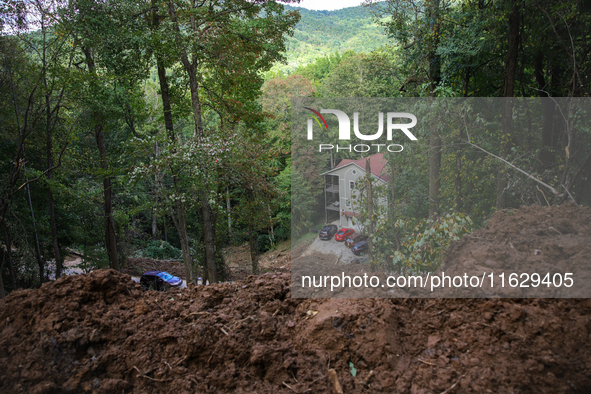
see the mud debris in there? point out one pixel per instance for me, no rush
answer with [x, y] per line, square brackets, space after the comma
[101, 333]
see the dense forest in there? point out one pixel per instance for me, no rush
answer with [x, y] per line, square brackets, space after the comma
[162, 129]
[326, 32]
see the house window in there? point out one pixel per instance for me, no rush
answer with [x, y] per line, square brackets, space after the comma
[351, 185]
[354, 172]
[348, 202]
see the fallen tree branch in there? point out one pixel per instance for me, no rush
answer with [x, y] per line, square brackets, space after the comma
[59, 163]
[570, 195]
[554, 191]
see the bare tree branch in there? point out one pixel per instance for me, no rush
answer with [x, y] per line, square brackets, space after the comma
[554, 191]
[59, 163]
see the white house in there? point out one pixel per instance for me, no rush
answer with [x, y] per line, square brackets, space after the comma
[340, 186]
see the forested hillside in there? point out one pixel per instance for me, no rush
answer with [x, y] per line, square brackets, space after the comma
[327, 32]
[146, 129]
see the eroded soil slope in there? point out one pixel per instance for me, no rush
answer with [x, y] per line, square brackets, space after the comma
[101, 333]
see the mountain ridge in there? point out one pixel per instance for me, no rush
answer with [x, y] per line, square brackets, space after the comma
[320, 33]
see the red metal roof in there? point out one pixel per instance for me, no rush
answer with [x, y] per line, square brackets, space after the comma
[377, 162]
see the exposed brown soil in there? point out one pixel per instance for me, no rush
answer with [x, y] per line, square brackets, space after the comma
[553, 240]
[239, 264]
[101, 333]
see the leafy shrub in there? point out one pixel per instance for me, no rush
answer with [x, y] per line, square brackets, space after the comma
[94, 258]
[161, 250]
[282, 233]
[239, 237]
[263, 243]
[424, 250]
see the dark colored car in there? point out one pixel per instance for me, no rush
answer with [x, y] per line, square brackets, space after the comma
[327, 232]
[159, 280]
[353, 239]
[360, 247]
[343, 233]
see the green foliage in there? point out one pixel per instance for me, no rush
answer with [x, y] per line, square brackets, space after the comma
[328, 32]
[424, 247]
[93, 258]
[264, 243]
[161, 250]
[302, 203]
[363, 75]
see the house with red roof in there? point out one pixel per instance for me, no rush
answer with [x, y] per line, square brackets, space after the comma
[340, 186]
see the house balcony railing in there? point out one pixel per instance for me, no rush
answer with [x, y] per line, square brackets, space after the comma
[333, 206]
[331, 188]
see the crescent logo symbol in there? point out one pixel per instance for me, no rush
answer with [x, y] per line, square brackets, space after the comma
[321, 117]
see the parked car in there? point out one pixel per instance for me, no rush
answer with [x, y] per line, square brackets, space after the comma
[327, 232]
[343, 233]
[353, 239]
[360, 247]
[159, 281]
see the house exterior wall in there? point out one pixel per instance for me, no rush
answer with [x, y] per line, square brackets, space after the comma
[348, 173]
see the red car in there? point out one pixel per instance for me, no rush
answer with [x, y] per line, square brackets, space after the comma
[343, 233]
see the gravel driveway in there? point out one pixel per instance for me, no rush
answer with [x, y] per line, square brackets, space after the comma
[343, 255]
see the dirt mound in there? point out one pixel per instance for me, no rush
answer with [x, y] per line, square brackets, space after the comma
[542, 240]
[239, 264]
[102, 333]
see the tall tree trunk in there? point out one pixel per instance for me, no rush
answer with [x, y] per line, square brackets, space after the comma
[49, 140]
[252, 243]
[181, 222]
[547, 113]
[229, 210]
[459, 173]
[369, 211]
[2, 292]
[154, 224]
[168, 124]
[185, 246]
[208, 238]
[8, 244]
[156, 184]
[434, 171]
[435, 137]
[510, 72]
[392, 213]
[110, 235]
[56, 248]
[164, 229]
[206, 212]
[40, 261]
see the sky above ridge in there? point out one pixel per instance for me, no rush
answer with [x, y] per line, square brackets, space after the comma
[328, 4]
